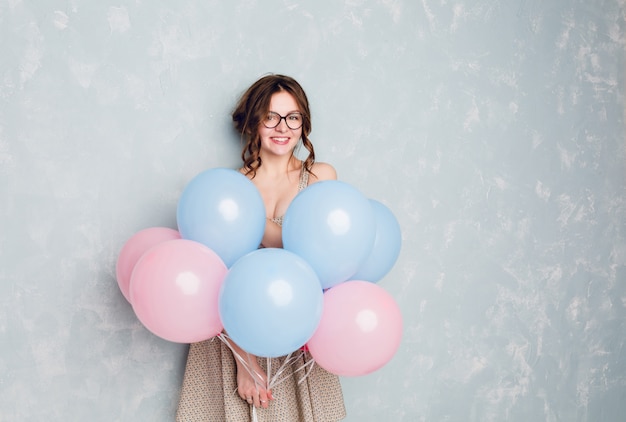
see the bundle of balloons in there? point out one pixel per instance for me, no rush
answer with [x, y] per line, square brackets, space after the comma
[319, 292]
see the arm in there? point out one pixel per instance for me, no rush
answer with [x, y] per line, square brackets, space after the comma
[322, 171]
[251, 379]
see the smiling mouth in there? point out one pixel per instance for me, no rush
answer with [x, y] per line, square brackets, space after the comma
[281, 141]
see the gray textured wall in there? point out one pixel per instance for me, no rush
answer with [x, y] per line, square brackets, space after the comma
[493, 129]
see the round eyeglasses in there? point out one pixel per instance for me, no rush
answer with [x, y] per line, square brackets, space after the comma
[293, 120]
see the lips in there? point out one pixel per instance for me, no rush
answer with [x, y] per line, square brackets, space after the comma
[280, 140]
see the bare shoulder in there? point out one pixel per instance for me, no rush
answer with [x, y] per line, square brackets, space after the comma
[322, 171]
[246, 172]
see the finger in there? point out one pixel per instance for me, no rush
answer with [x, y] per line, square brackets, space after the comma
[245, 395]
[256, 400]
[252, 397]
[263, 399]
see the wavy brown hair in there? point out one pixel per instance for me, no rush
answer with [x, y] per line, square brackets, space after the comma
[252, 108]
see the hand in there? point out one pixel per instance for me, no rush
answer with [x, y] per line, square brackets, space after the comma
[252, 383]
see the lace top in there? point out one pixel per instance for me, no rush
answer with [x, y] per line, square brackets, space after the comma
[302, 183]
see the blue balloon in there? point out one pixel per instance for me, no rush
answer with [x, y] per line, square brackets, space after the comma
[222, 209]
[331, 225]
[386, 245]
[271, 302]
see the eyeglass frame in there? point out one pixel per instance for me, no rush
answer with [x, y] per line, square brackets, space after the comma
[285, 119]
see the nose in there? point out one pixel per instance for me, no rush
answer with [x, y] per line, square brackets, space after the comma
[282, 125]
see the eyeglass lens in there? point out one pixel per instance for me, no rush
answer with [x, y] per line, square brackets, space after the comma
[293, 120]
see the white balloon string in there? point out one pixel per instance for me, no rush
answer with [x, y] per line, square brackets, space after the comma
[310, 363]
[269, 371]
[246, 362]
[279, 377]
[256, 377]
[307, 366]
[279, 371]
[247, 365]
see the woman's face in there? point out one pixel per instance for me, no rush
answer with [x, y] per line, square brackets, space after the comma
[281, 140]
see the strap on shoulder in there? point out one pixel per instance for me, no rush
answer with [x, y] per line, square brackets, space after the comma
[304, 179]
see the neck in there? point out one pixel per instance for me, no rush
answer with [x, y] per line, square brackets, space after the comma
[274, 164]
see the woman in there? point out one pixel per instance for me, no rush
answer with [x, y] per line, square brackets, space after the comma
[273, 118]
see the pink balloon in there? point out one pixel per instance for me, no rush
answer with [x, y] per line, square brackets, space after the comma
[136, 246]
[360, 330]
[174, 291]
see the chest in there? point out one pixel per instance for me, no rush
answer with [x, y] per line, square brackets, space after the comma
[278, 194]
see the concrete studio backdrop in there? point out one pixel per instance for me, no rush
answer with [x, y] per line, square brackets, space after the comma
[493, 129]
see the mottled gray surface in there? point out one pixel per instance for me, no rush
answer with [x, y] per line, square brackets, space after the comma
[493, 129]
